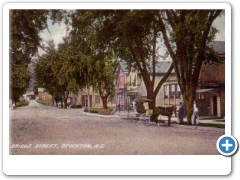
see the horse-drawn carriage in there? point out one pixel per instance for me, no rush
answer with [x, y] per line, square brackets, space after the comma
[152, 114]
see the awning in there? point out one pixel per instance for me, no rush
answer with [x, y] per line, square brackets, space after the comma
[212, 90]
[203, 90]
[143, 100]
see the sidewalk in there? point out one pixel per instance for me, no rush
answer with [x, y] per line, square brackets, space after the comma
[131, 114]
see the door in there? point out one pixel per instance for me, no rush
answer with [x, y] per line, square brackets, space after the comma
[85, 100]
[214, 105]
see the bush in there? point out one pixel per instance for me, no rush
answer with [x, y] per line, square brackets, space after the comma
[99, 111]
[104, 111]
[22, 103]
[77, 106]
[92, 110]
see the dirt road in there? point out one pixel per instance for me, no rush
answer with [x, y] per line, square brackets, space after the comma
[38, 129]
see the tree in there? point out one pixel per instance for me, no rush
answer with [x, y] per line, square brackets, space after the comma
[72, 68]
[62, 71]
[19, 79]
[187, 34]
[131, 34]
[104, 79]
[138, 44]
[25, 26]
[45, 75]
[87, 35]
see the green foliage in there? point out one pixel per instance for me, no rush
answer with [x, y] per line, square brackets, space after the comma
[35, 90]
[22, 103]
[88, 37]
[44, 103]
[19, 80]
[187, 35]
[25, 26]
[63, 71]
[89, 55]
[131, 35]
[76, 107]
[92, 110]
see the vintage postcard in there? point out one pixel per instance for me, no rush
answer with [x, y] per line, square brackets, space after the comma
[144, 83]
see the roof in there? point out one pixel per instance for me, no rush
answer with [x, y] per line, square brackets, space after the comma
[218, 46]
[41, 89]
[161, 67]
[143, 100]
[30, 93]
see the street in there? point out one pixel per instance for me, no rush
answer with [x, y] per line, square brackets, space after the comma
[45, 130]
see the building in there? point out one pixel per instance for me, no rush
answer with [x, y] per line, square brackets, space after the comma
[126, 86]
[44, 96]
[211, 92]
[31, 95]
[89, 96]
[169, 94]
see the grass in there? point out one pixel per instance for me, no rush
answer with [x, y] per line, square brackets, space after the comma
[76, 107]
[92, 110]
[220, 120]
[212, 125]
[99, 111]
[22, 103]
[44, 103]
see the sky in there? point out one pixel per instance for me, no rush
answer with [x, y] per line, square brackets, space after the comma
[219, 23]
[58, 31]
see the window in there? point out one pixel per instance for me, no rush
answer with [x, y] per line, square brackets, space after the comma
[97, 99]
[201, 96]
[172, 94]
[166, 94]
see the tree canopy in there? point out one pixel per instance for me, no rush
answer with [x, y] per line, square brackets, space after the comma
[131, 35]
[89, 55]
[25, 26]
[187, 35]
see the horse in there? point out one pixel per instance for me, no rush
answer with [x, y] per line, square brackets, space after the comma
[165, 111]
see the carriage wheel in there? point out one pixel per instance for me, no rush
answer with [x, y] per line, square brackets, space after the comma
[145, 118]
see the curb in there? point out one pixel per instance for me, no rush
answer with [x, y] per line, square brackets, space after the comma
[100, 115]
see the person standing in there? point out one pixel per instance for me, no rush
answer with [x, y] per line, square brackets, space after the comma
[118, 107]
[181, 112]
[195, 115]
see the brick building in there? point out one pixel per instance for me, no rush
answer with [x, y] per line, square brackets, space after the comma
[211, 92]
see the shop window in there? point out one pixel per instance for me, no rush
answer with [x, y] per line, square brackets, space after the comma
[97, 99]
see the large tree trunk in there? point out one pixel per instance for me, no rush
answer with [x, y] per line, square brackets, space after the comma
[61, 102]
[152, 104]
[65, 103]
[53, 100]
[65, 98]
[189, 97]
[88, 102]
[104, 101]
[189, 108]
